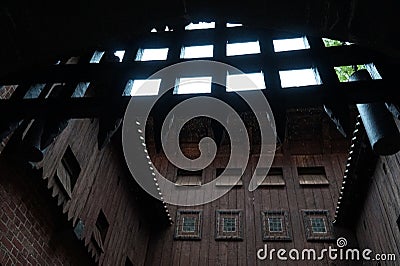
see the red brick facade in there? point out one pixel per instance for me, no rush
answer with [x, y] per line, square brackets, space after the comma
[29, 231]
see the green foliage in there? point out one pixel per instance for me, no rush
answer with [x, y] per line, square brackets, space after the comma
[343, 72]
[329, 42]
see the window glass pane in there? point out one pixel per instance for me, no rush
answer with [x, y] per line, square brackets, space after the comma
[242, 48]
[200, 25]
[299, 77]
[229, 224]
[318, 225]
[290, 44]
[275, 224]
[197, 51]
[144, 87]
[193, 85]
[152, 54]
[243, 82]
[189, 224]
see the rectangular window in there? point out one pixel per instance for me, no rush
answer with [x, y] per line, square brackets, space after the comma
[193, 85]
[67, 172]
[312, 175]
[229, 225]
[200, 51]
[245, 82]
[317, 225]
[276, 225]
[188, 224]
[290, 44]
[299, 77]
[152, 54]
[274, 176]
[188, 178]
[232, 177]
[242, 48]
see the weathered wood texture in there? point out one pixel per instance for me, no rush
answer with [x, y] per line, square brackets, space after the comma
[164, 250]
[102, 185]
[377, 227]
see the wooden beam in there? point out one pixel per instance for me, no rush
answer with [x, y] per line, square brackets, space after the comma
[331, 56]
[308, 96]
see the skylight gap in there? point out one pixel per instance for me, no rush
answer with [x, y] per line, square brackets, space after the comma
[142, 87]
[152, 54]
[188, 85]
[281, 45]
[242, 48]
[200, 25]
[299, 77]
[197, 51]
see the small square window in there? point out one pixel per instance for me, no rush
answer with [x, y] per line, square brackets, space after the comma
[229, 225]
[193, 85]
[152, 54]
[242, 48]
[299, 77]
[142, 87]
[199, 51]
[188, 224]
[275, 225]
[291, 44]
[317, 225]
[244, 82]
[200, 25]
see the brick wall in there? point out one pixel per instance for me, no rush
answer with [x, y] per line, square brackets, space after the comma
[29, 233]
[5, 93]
